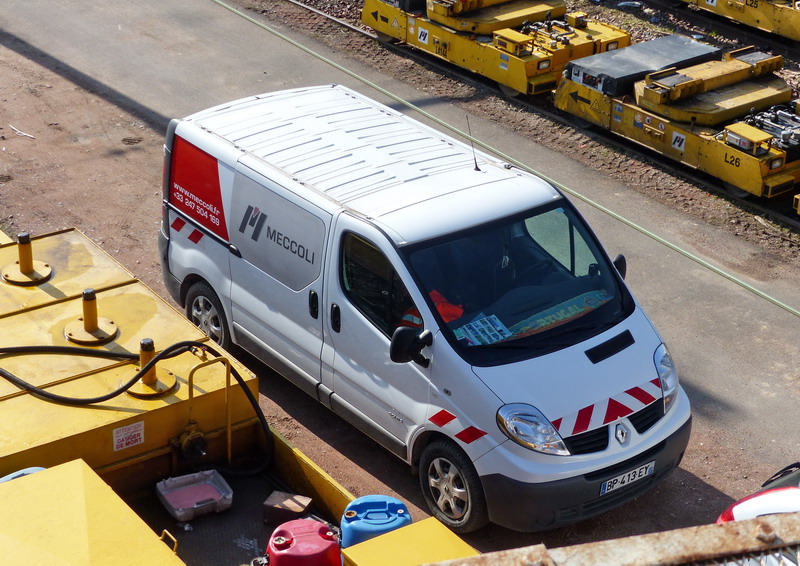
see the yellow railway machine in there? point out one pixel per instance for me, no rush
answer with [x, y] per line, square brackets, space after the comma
[728, 115]
[522, 45]
[780, 17]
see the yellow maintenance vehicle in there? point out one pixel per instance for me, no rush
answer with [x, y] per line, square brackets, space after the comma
[728, 115]
[110, 398]
[522, 45]
[781, 17]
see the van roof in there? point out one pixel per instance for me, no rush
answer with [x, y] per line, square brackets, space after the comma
[415, 182]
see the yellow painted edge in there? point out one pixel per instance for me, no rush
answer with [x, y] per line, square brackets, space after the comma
[4, 239]
[424, 542]
[308, 478]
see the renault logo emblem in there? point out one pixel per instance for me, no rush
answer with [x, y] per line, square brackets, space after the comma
[621, 433]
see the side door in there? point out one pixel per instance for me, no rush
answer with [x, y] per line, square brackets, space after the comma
[277, 276]
[368, 295]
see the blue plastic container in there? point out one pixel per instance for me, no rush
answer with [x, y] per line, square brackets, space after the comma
[370, 516]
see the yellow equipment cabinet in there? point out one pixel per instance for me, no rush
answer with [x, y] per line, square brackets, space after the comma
[522, 45]
[773, 16]
[68, 515]
[727, 115]
[78, 328]
[425, 542]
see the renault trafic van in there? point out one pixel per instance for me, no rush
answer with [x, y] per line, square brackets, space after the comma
[455, 308]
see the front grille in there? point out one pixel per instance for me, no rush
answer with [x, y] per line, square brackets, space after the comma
[587, 442]
[647, 417]
[597, 440]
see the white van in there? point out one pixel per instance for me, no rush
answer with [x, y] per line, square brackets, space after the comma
[455, 308]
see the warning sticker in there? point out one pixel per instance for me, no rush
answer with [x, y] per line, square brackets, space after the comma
[128, 436]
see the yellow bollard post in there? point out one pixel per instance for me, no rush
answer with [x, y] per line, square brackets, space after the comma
[156, 382]
[25, 271]
[89, 310]
[147, 351]
[25, 251]
[90, 329]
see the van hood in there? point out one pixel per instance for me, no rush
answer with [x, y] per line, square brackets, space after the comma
[576, 394]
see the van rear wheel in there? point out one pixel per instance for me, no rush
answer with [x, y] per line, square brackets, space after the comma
[204, 309]
[451, 487]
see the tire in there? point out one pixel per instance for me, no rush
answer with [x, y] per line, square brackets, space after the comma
[204, 309]
[451, 487]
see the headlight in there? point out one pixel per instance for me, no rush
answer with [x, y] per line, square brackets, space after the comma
[528, 427]
[612, 45]
[776, 163]
[667, 375]
[543, 64]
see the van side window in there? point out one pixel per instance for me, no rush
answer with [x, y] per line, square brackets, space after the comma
[373, 286]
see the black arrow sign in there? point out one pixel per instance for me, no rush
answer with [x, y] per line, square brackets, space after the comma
[374, 15]
[576, 97]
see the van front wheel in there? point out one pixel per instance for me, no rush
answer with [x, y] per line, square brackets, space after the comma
[204, 309]
[451, 487]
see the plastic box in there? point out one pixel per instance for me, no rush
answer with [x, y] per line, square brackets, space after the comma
[370, 516]
[304, 542]
[189, 496]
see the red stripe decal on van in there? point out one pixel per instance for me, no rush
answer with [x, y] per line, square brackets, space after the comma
[583, 420]
[178, 224]
[195, 187]
[641, 395]
[616, 410]
[442, 418]
[470, 435]
[195, 236]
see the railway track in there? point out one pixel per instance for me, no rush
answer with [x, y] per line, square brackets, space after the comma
[777, 211]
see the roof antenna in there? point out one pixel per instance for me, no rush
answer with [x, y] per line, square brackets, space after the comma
[474, 157]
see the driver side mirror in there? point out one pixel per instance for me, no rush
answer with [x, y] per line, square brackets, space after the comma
[407, 344]
[621, 264]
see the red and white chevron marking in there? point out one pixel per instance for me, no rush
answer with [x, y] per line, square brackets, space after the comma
[609, 410]
[466, 435]
[194, 236]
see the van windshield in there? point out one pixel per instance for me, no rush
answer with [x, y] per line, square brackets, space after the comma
[520, 287]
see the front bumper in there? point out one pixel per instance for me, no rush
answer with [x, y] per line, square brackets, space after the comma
[532, 507]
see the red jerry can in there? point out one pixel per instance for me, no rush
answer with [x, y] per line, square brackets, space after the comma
[304, 542]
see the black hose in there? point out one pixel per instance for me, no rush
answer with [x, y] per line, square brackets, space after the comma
[169, 352]
[75, 350]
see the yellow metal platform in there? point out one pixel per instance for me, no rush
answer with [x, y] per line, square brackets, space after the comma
[86, 524]
[129, 440]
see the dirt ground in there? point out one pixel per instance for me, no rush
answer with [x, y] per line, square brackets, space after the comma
[71, 158]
